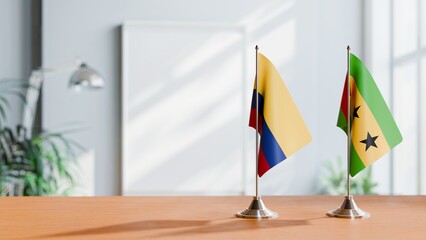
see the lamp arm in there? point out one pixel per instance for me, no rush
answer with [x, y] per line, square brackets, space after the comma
[82, 76]
[33, 93]
[31, 100]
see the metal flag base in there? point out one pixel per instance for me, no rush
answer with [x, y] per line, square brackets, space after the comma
[257, 209]
[349, 209]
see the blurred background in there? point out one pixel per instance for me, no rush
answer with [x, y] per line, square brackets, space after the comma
[172, 116]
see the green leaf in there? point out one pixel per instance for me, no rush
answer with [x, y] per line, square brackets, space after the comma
[335, 177]
[48, 159]
[5, 101]
[2, 113]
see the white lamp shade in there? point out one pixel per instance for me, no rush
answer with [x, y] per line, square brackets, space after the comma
[86, 77]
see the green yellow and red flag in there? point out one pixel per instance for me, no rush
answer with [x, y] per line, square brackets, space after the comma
[374, 131]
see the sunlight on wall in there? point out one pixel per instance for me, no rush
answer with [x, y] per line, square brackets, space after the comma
[265, 13]
[197, 57]
[188, 93]
[406, 115]
[394, 46]
[406, 40]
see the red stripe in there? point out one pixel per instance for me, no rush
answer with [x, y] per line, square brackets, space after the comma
[344, 102]
[263, 166]
[252, 120]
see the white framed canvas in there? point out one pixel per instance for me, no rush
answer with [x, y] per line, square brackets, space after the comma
[184, 109]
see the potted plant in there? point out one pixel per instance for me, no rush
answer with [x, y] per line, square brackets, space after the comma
[334, 180]
[41, 164]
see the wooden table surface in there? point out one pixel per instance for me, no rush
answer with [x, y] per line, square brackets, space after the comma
[300, 217]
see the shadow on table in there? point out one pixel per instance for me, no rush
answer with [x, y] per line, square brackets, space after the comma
[194, 226]
[237, 225]
[130, 227]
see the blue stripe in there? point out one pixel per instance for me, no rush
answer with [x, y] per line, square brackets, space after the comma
[272, 151]
[253, 101]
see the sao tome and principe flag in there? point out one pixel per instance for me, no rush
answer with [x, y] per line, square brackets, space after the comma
[281, 127]
[374, 131]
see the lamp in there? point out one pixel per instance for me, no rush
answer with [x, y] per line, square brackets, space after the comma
[82, 77]
[86, 77]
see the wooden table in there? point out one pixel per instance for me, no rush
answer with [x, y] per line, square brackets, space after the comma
[301, 217]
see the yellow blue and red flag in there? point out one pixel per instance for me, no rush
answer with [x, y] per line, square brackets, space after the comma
[281, 126]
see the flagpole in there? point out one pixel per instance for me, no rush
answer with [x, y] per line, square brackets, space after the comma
[257, 208]
[257, 129]
[349, 121]
[348, 209]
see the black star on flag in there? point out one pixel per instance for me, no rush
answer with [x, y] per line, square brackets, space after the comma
[369, 141]
[355, 115]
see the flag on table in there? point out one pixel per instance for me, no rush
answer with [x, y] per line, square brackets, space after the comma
[374, 131]
[281, 126]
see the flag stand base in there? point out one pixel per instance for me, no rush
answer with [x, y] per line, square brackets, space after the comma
[348, 209]
[257, 209]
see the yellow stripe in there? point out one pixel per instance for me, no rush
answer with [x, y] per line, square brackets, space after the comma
[280, 111]
[366, 123]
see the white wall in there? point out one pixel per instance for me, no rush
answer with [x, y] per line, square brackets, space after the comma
[305, 39]
[15, 47]
[378, 51]
[394, 55]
